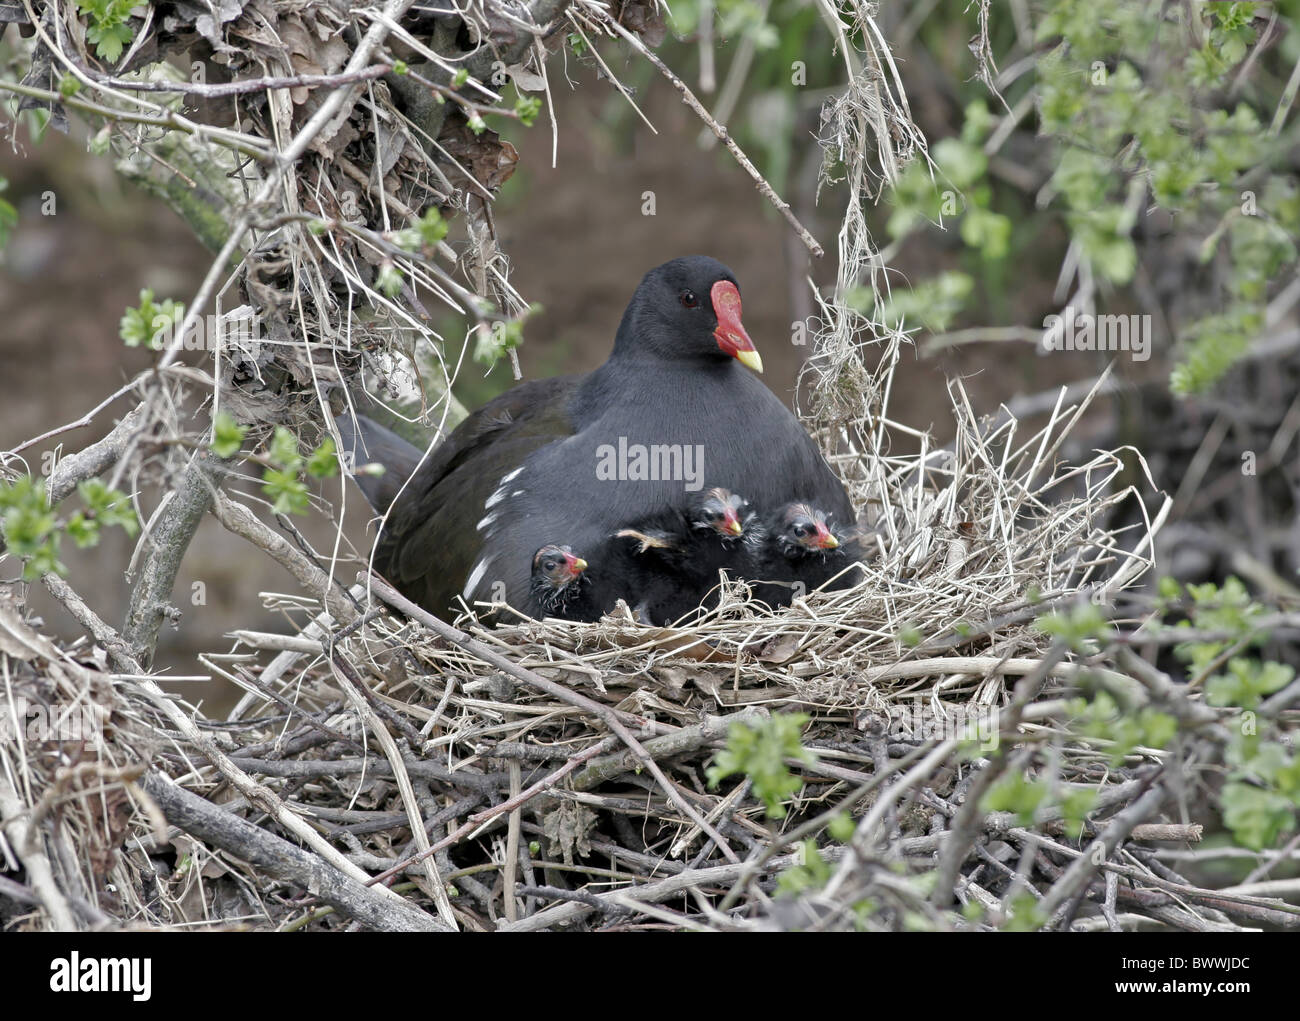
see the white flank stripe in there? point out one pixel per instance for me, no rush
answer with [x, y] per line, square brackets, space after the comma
[475, 576]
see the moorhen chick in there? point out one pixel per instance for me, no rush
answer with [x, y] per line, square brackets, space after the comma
[800, 548]
[558, 584]
[674, 557]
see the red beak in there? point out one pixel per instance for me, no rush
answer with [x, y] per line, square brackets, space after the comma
[576, 565]
[731, 523]
[824, 538]
[730, 334]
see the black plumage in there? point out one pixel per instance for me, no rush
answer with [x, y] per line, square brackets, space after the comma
[559, 583]
[535, 463]
[671, 561]
[803, 548]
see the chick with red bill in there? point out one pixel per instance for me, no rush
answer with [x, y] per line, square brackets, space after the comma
[803, 549]
[671, 561]
[559, 584]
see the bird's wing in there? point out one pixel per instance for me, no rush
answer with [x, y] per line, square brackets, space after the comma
[434, 540]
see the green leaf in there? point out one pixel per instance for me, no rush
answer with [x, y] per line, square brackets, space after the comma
[287, 493]
[108, 506]
[323, 462]
[227, 436]
[1015, 793]
[389, 280]
[1080, 627]
[84, 531]
[987, 231]
[1257, 817]
[759, 751]
[963, 164]
[151, 323]
[527, 109]
[283, 451]
[842, 827]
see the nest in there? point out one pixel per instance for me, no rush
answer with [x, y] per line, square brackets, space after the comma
[551, 773]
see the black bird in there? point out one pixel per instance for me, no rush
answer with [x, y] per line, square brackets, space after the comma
[581, 456]
[673, 559]
[801, 552]
[558, 583]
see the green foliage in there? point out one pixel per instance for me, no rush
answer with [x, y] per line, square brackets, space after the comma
[1247, 682]
[424, 236]
[108, 506]
[1161, 124]
[932, 303]
[1105, 719]
[30, 527]
[227, 436]
[910, 636]
[759, 751]
[324, 460]
[32, 531]
[280, 481]
[150, 323]
[842, 827]
[1258, 818]
[1187, 134]
[811, 873]
[1015, 793]
[1076, 805]
[1212, 346]
[282, 478]
[501, 336]
[106, 26]
[1024, 914]
[389, 280]
[1080, 627]
[104, 506]
[460, 77]
[8, 215]
[1213, 608]
[527, 108]
[1261, 794]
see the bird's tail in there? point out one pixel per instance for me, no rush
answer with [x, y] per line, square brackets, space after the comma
[366, 442]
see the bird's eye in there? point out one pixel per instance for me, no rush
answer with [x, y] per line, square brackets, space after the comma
[690, 300]
[711, 515]
[801, 531]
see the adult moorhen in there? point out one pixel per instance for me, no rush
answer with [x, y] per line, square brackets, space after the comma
[582, 456]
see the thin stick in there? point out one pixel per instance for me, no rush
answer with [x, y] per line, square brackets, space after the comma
[688, 97]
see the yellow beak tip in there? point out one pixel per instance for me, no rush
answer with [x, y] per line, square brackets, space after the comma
[750, 359]
[580, 564]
